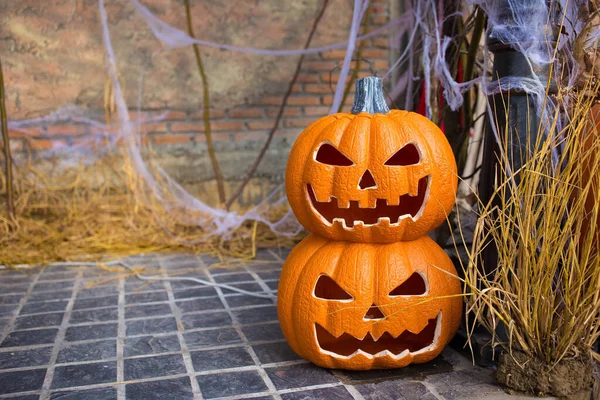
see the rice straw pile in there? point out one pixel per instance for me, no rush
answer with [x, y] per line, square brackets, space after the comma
[101, 209]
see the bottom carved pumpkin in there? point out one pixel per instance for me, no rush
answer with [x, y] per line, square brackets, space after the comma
[365, 306]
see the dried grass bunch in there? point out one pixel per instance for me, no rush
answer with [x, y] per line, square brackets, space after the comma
[542, 301]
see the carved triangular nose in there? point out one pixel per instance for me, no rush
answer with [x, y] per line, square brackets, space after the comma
[374, 313]
[367, 181]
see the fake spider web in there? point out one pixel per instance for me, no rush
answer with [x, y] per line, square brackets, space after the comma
[415, 37]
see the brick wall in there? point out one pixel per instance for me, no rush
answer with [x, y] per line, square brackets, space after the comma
[238, 131]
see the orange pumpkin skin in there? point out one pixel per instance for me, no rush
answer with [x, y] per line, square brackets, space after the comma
[368, 273]
[369, 141]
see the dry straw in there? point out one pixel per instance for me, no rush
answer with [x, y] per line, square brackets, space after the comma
[101, 209]
[545, 292]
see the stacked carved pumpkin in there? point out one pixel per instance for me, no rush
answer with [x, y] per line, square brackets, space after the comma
[368, 288]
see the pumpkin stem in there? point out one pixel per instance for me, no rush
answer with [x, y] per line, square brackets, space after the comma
[369, 96]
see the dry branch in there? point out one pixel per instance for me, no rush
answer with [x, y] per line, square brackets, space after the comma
[10, 208]
[258, 160]
[206, 106]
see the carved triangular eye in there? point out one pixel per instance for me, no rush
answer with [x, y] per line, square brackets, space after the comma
[328, 289]
[415, 285]
[408, 155]
[327, 154]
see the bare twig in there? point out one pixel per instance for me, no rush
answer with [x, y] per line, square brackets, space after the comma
[359, 52]
[10, 207]
[206, 105]
[254, 167]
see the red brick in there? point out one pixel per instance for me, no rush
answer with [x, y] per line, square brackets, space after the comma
[154, 127]
[199, 126]
[95, 130]
[334, 54]
[216, 137]
[326, 77]
[250, 136]
[214, 114]
[26, 132]
[333, 71]
[18, 133]
[139, 115]
[266, 124]
[271, 100]
[348, 103]
[328, 100]
[318, 88]
[287, 111]
[297, 88]
[172, 139]
[380, 42]
[304, 100]
[121, 142]
[176, 115]
[44, 144]
[298, 122]
[380, 64]
[308, 78]
[290, 132]
[379, 20]
[375, 53]
[316, 110]
[187, 127]
[246, 113]
[227, 126]
[73, 130]
[377, 9]
[320, 65]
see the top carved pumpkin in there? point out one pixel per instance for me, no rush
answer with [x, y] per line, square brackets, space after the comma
[375, 175]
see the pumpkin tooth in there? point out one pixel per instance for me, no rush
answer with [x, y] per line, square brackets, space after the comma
[341, 221]
[365, 204]
[384, 221]
[368, 336]
[347, 344]
[392, 202]
[350, 213]
[313, 194]
[344, 205]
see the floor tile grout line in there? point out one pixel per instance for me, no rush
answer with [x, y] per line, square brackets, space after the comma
[171, 353]
[431, 388]
[280, 391]
[261, 283]
[13, 319]
[278, 364]
[121, 333]
[159, 334]
[185, 352]
[277, 256]
[167, 353]
[150, 303]
[237, 327]
[353, 392]
[177, 376]
[58, 340]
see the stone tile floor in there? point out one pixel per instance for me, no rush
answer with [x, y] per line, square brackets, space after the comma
[86, 332]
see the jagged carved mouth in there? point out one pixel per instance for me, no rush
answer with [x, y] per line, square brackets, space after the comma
[347, 345]
[408, 206]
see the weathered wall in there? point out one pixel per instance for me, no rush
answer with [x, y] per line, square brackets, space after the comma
[53, 56]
